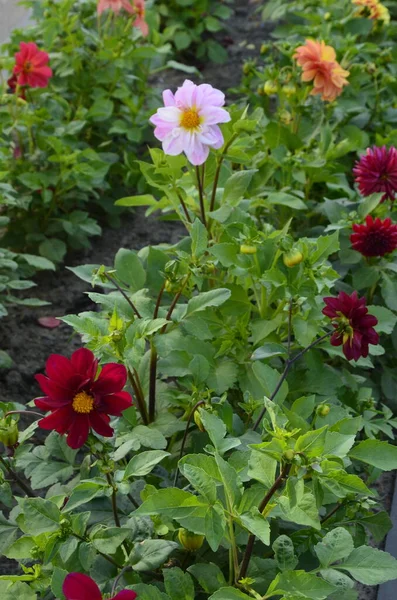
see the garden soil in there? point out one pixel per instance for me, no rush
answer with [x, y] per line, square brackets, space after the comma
[21, 335]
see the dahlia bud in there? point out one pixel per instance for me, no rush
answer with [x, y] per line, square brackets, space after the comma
[289, 455]
[171, 286]
[323, 410]
[264, 48]
[247, 249]
[190, 541]
[289, 90]
[292, 258]
[198, 421]
[9, 432]
[327, 16]
[286, 117]
[270, 87]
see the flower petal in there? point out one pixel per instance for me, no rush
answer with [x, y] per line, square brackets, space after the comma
[78, 431]
[78, 586]
[100, 423]
[112, 378]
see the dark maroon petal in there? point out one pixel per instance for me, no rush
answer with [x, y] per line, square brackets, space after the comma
[54, 391]
[78, 586]
[78, 431]
[60, 420]
[46, 403]
[84, 362]
[125, 595]
[112, 378]
[114, 404]
[336, 339]
[100, 423]
[59, 370]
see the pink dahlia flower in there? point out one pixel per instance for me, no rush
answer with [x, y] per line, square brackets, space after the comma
[139, 22]
[115, 5]
[189, 121]
[376, 171]
[31, 66]
[78, 586]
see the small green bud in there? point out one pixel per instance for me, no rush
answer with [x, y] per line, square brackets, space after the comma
[289, 455]
[247, 249]
[198, 421]
[289, 89]
[292, 258]
[270, 87]
[264, 48]
[323, 410]
[9, 432]
[190, 541]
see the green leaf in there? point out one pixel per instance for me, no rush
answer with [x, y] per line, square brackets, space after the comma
[201, 481]
[200, 368]
[110, 539]
[209, 576]
[376, 453]
[151, 554]
[215, 526]
[284, 553]
[368, 204]
[223, 377]
[38, 262]
[336, 545]
[83, 493]
[236, 186]
[303, 512]
[57, 579]
[312, 443]
[21, 548]
[386, 318]
[370, 566]
[173, 503]
[339, 580]
[16, 590]
[257, 524]
[41, 516]
[129, 269]
[299, 584]
[326, 245]
[389, 291]
[262, 468]
[144, 462]
[378, 524]
[229, 593]
[144, 200]
[206, 299]
[199, 237]
[178, 585]
[268, 351]
[284, 199]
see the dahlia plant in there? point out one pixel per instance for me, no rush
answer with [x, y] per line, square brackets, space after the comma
[216, 437]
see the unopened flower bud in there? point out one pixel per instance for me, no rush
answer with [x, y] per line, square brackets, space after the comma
[190, 541]
[198, 421]
[264, 48]
[289, 455]
[327, 16]
[286, 117]
[292, 258]
[247, 249]
[323, 410]
[270, 87]
[289, 89]
[9, 432]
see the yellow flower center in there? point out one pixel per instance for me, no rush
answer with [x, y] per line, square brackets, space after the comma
[83, 403]
[190, 119]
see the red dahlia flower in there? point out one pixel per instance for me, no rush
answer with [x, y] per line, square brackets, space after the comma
[78, 586]
[375, 237]
[32, 66]
[77, 399]
[376, 171]
[354, 326]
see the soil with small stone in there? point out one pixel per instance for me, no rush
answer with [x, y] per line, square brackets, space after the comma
[29, 344]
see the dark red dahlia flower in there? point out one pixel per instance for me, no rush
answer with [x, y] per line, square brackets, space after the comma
[77, 399]
[78, 586]
[375, 237]
[354, 327]
[376, 171]
[31, 66]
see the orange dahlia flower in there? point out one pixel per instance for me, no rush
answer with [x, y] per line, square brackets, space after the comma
[375, 10]
[319, 64]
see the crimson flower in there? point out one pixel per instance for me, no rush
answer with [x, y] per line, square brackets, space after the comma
[78, 586]
[375, 237]
[32, 66]
[376, 171]
[78, 400]
[354, 327]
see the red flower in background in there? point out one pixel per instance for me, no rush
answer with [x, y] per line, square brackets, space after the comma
[78, 400]
[78, 586]
[376, 171]
[354, 326]
[32, 66]
[139, 10]
[114, 5]
[375, 237]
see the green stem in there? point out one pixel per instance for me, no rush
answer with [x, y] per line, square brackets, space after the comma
[116, 285]
[114, 500]
[24, 486]
[139, 397]
[195, 407]
[218, 170]
[201, 196]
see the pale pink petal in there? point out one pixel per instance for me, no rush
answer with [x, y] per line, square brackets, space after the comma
[184, 94]
[169, 114]
[213, 115]
[168, 98]
[196, 152]
[209, 96]
[173, 144]
[163, 131]
[212, 136]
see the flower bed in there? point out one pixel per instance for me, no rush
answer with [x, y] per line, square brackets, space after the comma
[220, 433]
